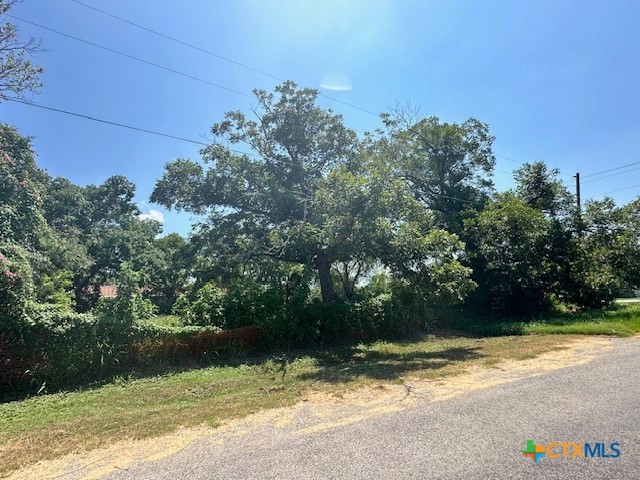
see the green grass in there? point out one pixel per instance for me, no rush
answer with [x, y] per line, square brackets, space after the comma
[166, 321]
[621, 320]
[52, 425]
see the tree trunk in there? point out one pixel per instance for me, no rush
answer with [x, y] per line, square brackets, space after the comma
[324, 274]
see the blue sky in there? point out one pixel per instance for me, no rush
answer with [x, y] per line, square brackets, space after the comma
[555, 81]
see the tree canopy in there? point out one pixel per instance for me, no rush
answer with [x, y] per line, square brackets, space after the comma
[306, 191]
[18, 76]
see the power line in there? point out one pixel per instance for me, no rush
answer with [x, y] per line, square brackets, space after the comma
[108, 122]
[129, 127]
[192, 77]
[509, 159]
[221, 57]
[621, 190]
[519, 162]
[181, 42]
[188, 140]
[177, 72]
[611, 169]
[612, 175]
[333, 99]
[138, 59]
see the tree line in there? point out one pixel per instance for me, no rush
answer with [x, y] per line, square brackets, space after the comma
[307, 230]
[315, 235]
[410, 208]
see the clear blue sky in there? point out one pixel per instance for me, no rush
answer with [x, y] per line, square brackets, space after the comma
[557, 81]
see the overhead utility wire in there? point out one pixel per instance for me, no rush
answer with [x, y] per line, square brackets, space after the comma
[123, 125]
[153, 132]
[115, 124]
[509, 159]
[192, 77]
[221, 57]
[611, 170]
[138, 59]
[621, 189]
[612, 175]
[240, 64]
[173, 39]
[161, 134]
[522, 163]
[173, 71]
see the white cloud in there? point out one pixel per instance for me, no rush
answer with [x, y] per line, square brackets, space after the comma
[337, 82]
[155, 215]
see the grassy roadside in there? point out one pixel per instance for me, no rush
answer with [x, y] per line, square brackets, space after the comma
[623, 320]
[52, 425]
[49, 426]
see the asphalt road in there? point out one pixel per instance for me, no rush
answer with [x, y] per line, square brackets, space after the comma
[479, 434]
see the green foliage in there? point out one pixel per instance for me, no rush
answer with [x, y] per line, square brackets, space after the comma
[540, 188]
[511, 256]
[129, 306]
[168, 270]
[166, 321]
[57, 289]
[315, 236]
[431, 264]
[267, 204]
[311, 194]
[21, 181]
[205, 309]
[96, 229]
[607, 253]
[621, 320]
[446, 166]
[112, 201]
[16, 289]
[18, 76]
[57, 347]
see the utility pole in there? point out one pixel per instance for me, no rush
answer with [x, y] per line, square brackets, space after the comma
[578, 208]
[577, 177]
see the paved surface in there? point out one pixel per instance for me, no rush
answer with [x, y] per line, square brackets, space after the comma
[479, 434]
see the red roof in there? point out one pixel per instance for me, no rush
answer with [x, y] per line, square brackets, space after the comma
[108, 291]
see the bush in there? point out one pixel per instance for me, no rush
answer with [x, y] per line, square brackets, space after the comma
[161, 344]
[277, 309]
[61, 348]
[289, 319]
[129, 306]
[57, 347]
[16, 289]
[206, 309]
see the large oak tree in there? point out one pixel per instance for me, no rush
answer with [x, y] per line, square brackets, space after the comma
[307, 191]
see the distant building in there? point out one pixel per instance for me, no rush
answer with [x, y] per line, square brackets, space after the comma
[108, 291]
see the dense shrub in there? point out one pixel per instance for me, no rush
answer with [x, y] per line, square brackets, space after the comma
[205, 309]
[153, 345]
[129, 306]
[62, 348]
[290, 317]
[56, 347]
[16, 288]
[384, 316]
